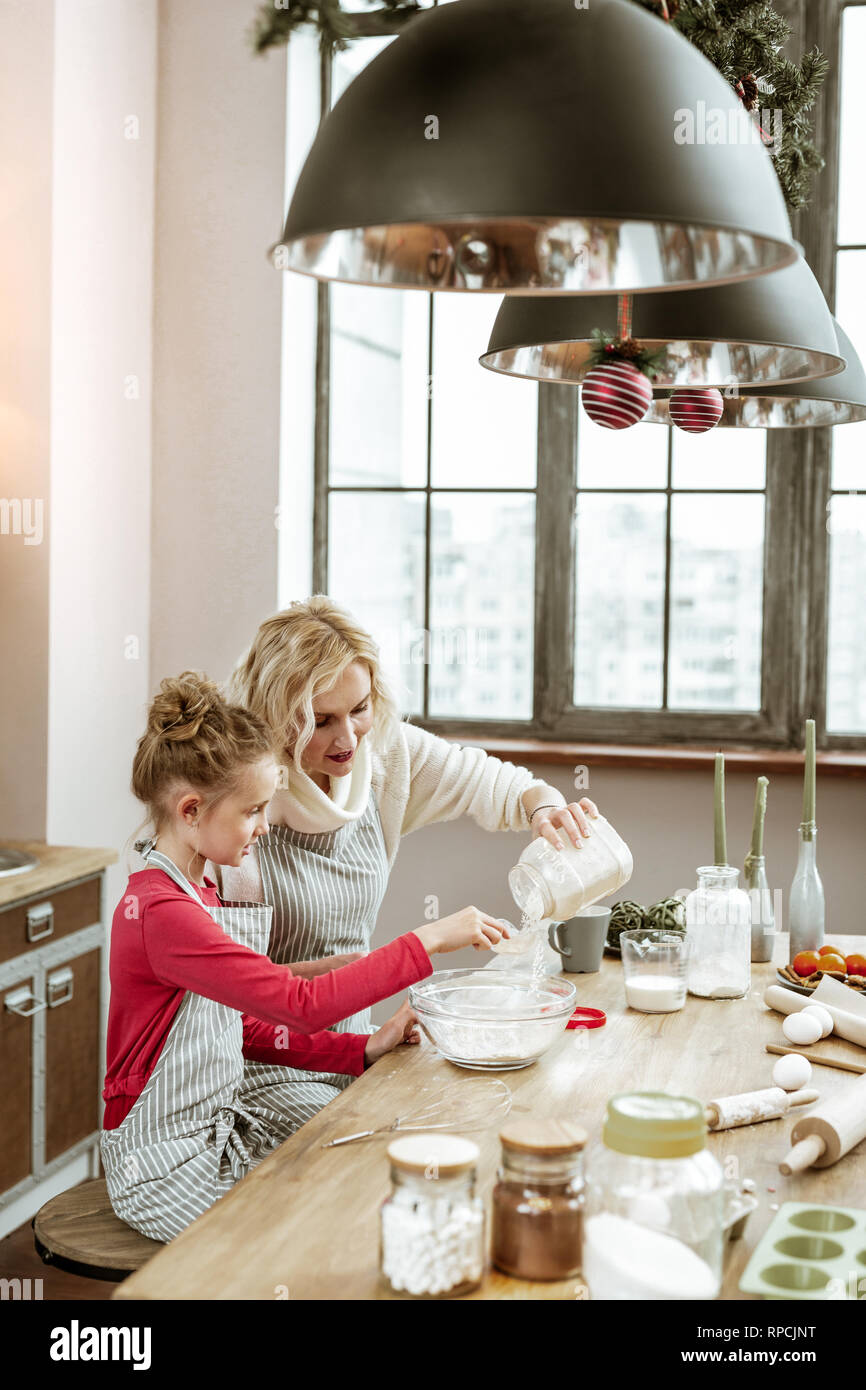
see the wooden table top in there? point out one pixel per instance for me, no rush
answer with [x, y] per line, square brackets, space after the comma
[58, 864]
[304, 1224]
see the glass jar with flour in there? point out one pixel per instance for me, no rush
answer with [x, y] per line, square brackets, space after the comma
[654, 1203]
[552, 884]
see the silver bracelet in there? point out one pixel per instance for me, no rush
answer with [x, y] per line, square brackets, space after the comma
[550, 806]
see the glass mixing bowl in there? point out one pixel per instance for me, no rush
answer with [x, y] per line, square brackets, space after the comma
[492, 1020]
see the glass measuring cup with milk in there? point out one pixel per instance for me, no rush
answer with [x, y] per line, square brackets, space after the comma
[552, 885]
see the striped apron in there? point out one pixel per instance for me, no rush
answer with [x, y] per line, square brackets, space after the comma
[326, 891]
[193, 1132]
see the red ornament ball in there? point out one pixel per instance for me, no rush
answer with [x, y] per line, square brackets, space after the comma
[616, 395]
[696, 411]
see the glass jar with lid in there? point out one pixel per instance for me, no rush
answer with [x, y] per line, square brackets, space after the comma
[653, 1202]
[548, 883]
[432, 1225]
[719, 931]
[536, 1218]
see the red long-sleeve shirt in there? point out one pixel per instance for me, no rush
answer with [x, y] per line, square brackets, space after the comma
[163, 944]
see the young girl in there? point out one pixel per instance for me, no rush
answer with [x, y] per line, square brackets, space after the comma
[193, 992]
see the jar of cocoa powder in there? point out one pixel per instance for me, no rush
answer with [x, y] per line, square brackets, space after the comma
[536, 1222]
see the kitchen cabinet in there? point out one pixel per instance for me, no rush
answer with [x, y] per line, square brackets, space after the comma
[52, 938]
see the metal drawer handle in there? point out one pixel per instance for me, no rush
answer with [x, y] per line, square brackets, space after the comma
[16, 1002]
[59, 987]
[42, 912]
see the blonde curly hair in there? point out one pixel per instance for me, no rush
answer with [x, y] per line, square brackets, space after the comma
[299, 654]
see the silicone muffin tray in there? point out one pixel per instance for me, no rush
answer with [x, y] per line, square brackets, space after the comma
[810, 1252]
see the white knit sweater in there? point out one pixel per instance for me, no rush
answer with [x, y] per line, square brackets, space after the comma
[418, 780]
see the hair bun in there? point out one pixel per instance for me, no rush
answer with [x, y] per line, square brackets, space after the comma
[182, 705]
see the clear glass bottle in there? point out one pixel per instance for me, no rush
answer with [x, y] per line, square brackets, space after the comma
[761, 900]
[806, 907]
[536, 1216]
[555, 884]
[653, 1203]
[432, 1227]
[719, 931]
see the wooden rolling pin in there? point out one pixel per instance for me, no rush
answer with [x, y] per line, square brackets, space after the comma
[845, 1024]
[829, 1132]
[820, 1058]
[752, 1106]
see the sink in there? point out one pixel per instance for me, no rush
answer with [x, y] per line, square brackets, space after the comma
[13, 861]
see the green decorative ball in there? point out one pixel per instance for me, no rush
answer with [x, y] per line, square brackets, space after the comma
[667, 915]
[625, 916]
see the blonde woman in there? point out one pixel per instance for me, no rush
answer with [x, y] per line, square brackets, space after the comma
[357, 779]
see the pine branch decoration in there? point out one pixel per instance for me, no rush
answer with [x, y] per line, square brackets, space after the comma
[607, 348]
[741, 38]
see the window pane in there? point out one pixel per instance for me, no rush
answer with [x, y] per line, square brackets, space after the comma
[852, 192]
[620, 569]
[717, 550]
[851, 296]
[846, 650]
[621, 458]
[484, 424]
[849, 456]
[378, 387]
[719, 459]
[482, 599]
[376, 569]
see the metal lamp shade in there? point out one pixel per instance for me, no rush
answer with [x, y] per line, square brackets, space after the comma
[771, 329]
[507, 146]
[835, 400]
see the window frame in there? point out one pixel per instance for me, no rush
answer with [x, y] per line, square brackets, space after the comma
[797, 492]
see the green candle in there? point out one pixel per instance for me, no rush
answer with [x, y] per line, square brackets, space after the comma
[809, 774]
[758, 822]
[721, 849]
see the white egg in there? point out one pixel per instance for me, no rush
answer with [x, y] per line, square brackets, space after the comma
[801, 1028]
[792, 1072]
[824, 1017]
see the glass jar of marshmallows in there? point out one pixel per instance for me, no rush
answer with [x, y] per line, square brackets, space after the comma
[432, 1228]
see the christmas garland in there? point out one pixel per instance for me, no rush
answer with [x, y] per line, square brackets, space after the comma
[743, 39]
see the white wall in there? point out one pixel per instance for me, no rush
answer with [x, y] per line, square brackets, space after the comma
[26, 101]
[103, 158]
[217, 332]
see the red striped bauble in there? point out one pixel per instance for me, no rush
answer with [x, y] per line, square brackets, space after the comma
[616, 395]
[696, 411]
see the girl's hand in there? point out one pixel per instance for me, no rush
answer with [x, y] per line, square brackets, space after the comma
[572, 818]
[402, 1028]
[468, 927]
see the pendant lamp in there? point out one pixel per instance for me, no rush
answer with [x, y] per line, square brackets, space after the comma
[834, 400]
[536, 147]
[771, 329]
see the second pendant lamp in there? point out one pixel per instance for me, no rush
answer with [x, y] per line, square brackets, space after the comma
[764, 331]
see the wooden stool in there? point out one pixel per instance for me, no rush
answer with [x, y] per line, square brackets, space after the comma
[79, 1232]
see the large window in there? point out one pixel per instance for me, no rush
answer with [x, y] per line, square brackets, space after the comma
[846, 508]
[527, 572]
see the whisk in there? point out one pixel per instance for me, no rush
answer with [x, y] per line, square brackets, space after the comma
[490, 1102]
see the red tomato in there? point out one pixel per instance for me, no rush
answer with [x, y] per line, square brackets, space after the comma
[806, 963]
[831, 962]
[829, 951]
[855, 965]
